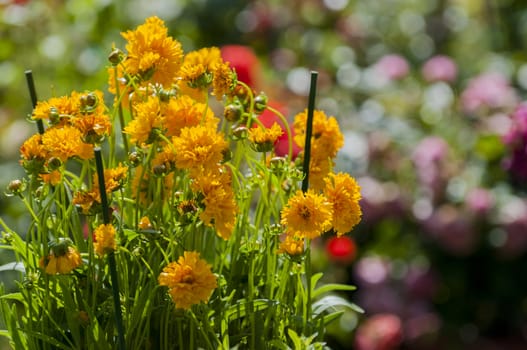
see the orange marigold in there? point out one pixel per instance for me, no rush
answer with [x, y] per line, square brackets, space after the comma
[343, 192]
[66, 142]
[104, 239]
[184, 111]
[220, 207]
[153, 54]
[147, 119]
[326, 139]
[291, 245]
[199, 147]
[263, 138]
[306, 215]
[189, 280]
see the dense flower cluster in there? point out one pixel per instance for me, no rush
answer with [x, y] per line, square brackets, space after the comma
[162, 193]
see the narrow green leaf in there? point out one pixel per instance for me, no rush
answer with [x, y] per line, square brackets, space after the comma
[13, 296]
[332, 287]
[13, 266]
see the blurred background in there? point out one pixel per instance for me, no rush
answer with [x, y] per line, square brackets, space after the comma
[429, 96]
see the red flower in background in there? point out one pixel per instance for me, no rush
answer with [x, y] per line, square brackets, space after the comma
[268, 118]
[244, 62]
[341, 249]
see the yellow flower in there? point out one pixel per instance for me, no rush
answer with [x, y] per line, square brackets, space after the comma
[63, 258]
[189, 280]
[104, 239]
[57, 110]
[184, 112]
[291, 245]
[220, 207]
[147, 119]
[264, 138]
[32, 148]
[306, 215]
[326, 139]
[224, 80]
[319, 168]
[113, 178]
[66, 142]
[53, 178]
[152, 54]
[86, 200]
[199, 147]
[343, 192]
[198, 67]
[92, 121]
[144, 223]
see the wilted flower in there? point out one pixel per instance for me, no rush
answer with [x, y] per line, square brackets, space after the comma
[189, 280]
[62, 259]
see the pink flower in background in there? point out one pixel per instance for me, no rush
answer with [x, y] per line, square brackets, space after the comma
[379, 332]
[479, 201]
[392, 67]
[428, 158]
[516, 139]
[489, 90]
[439, 68]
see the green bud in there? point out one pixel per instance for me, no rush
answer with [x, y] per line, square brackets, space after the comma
[115, 57]
[260, 103]
[233, 112]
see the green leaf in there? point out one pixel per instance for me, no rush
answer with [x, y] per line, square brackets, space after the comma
[332, 287]
[331, 317]
[333, 303]
[13, 266]
[13, 296]
[130, 234]
[297, 342]
[4, 333]
[315, 278]
[241, 309]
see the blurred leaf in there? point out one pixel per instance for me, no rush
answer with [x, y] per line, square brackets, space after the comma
[489, 147]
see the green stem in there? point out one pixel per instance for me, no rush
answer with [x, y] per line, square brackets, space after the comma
[305, 186]
[120, 110]
[111, 257]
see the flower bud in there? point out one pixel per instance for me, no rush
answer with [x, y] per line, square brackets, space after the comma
[115, 57]
[160, 169]
[260, 103]
[233, 112]
[16, 187]
[239, 132]
[54, 163]
[134, 158]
